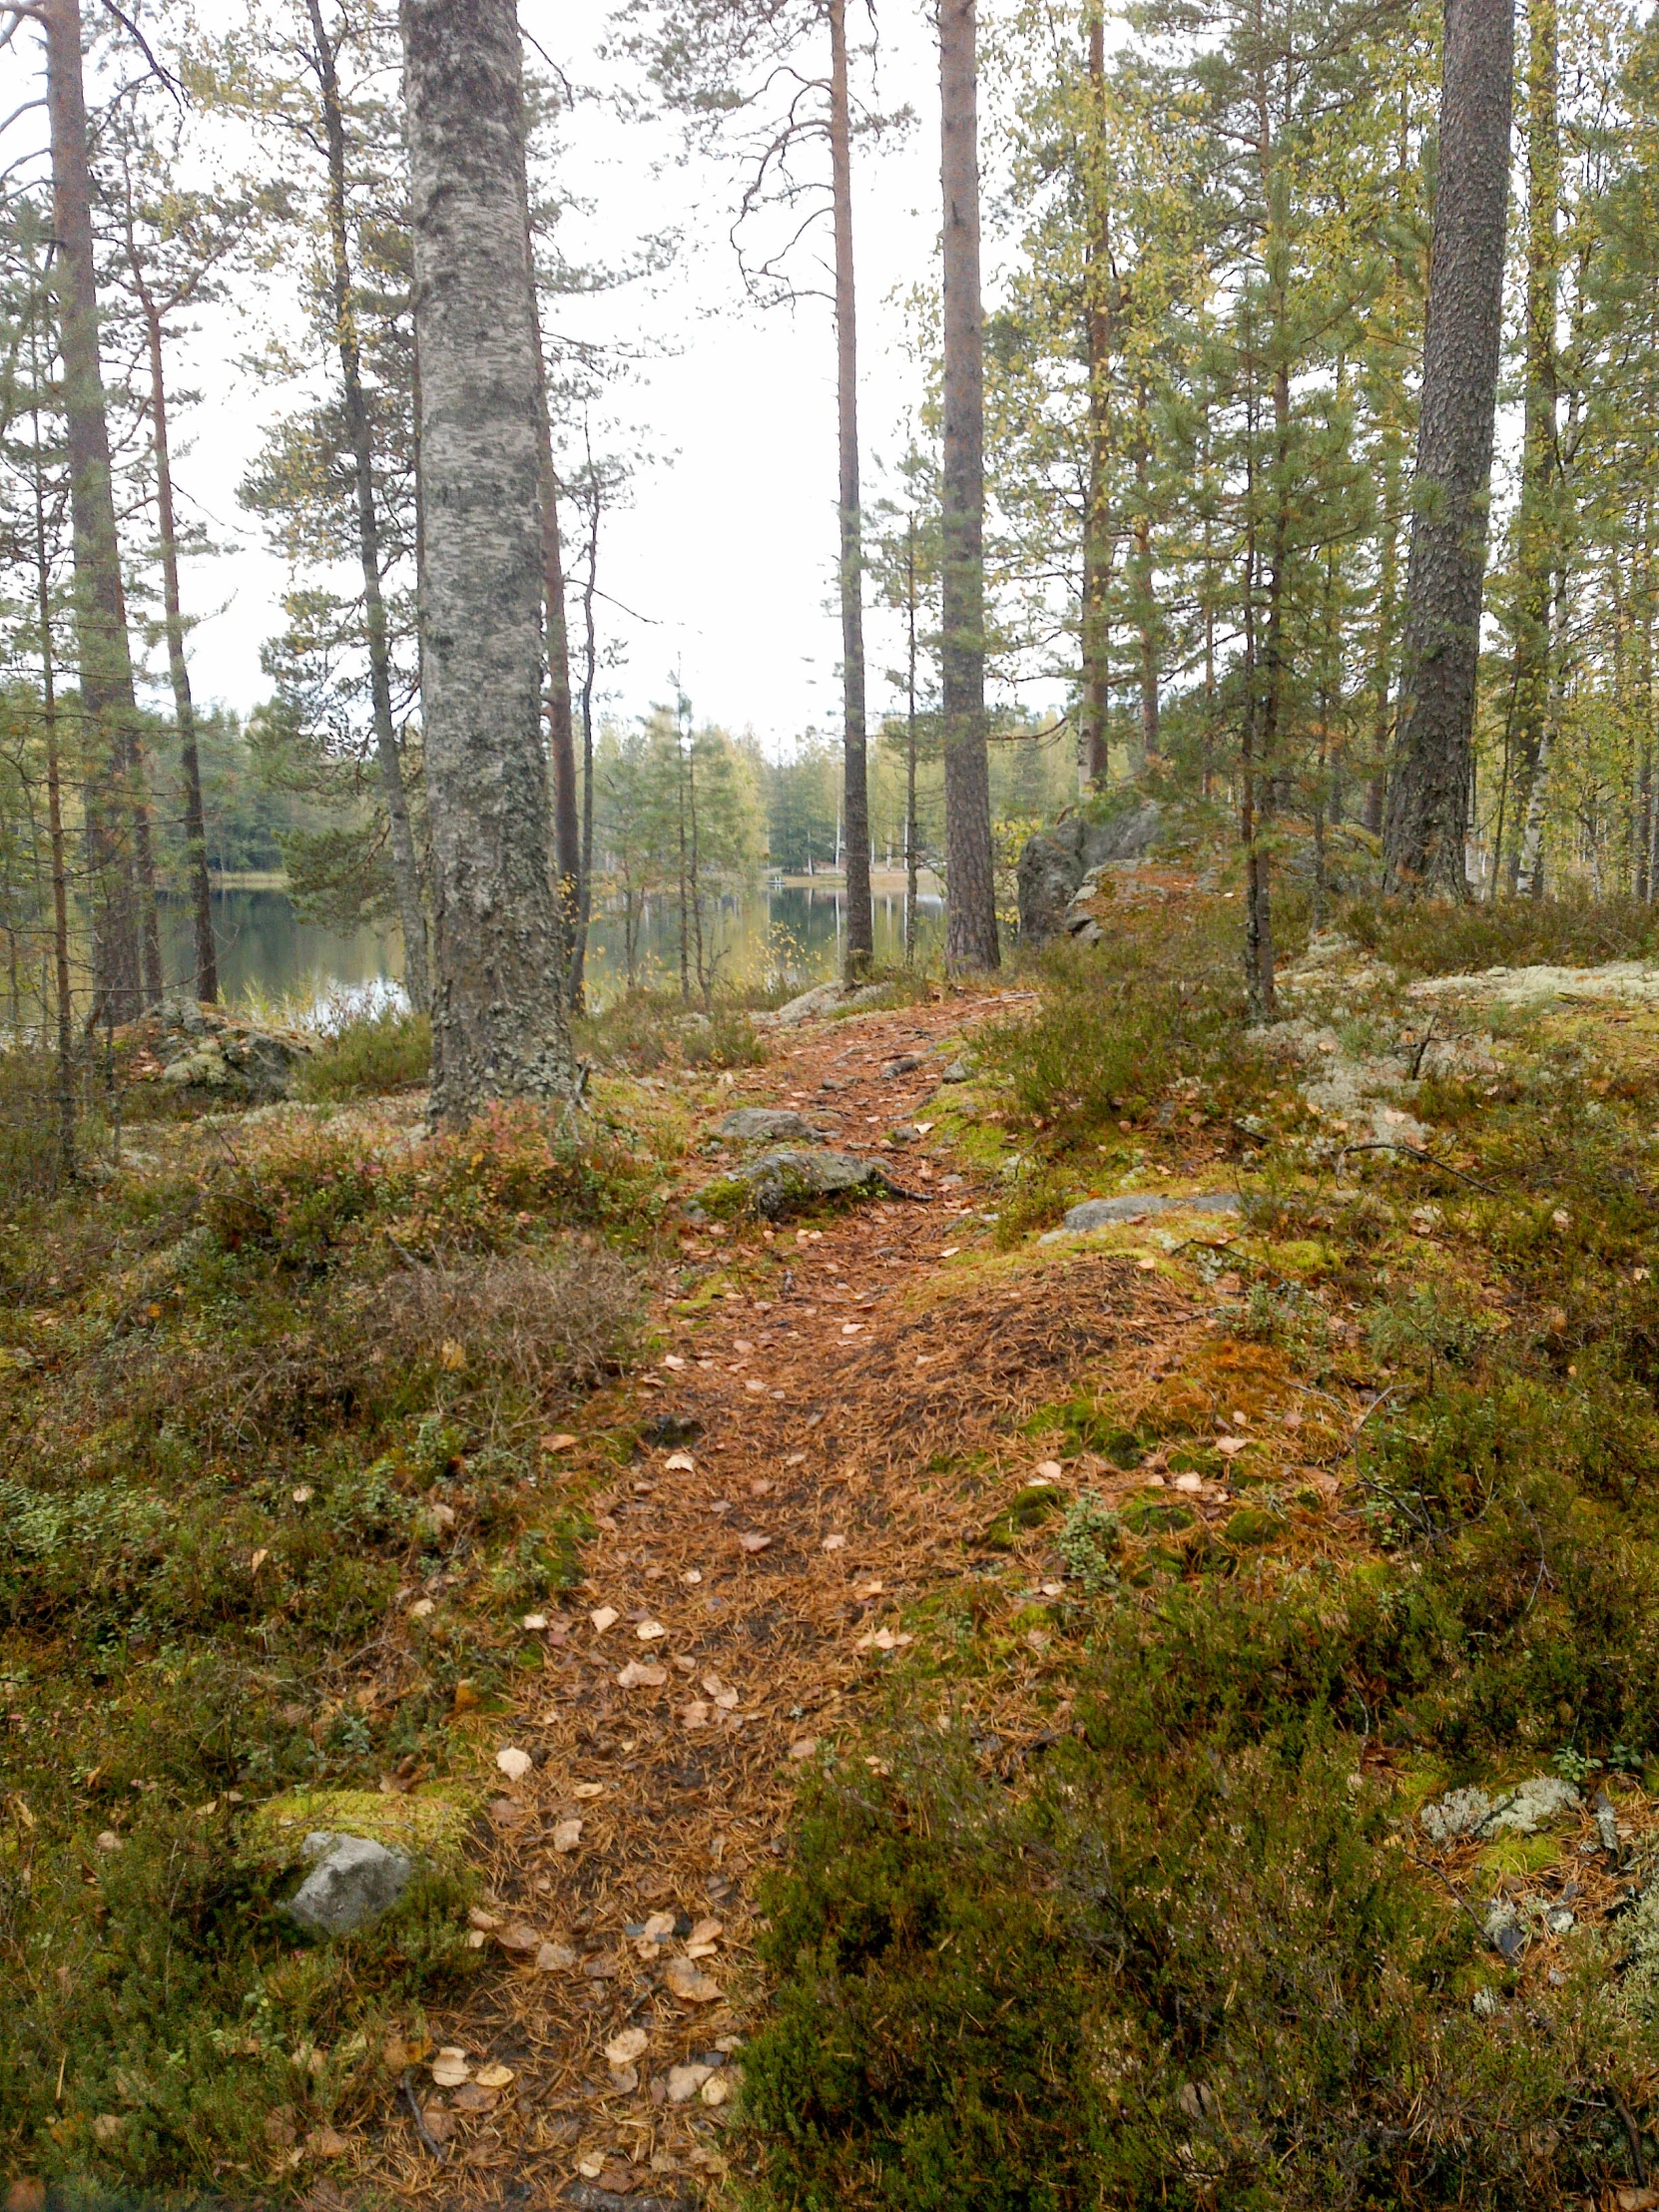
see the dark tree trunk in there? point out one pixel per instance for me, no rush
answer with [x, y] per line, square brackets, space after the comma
[1429, 795]
[126, 940]
[498, 1014]
[1096, 633]
[860, 939]
[406, 864]
[1535, 524]
[561, 733]
[184, 706]
[971, 885]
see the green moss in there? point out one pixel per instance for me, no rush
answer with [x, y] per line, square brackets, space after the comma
[431, 1826]
[1027, 1509]
[1250, 1527]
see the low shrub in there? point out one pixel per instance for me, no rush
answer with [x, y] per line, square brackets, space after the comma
[368, 1057]
[547, 1321]
[1436, 937]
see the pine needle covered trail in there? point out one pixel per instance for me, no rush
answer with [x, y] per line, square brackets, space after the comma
[835, 1473]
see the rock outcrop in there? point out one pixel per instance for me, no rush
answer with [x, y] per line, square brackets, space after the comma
[201, 1049]
[1061, 865]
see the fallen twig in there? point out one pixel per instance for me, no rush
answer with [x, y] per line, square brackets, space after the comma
[1423, 1159]
[421, 2129]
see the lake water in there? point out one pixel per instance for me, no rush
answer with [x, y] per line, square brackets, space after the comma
[268, 956]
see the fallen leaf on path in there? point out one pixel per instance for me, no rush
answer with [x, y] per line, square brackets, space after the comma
[884, 1639]
[567, 1836]
[514, 1764]
[449, 2067]
[803, 1747]
[674, 1361]
[950, 1252]
[438, 2123]
[258, 1561]
[695, 1715]
[852, 1328]
[624, 2081]
[724, 1696]
[554, 1958]
[634, 1676]
[421, 1607]
[518, 1938]
[1230, 1447]
[304, 1494]
[325, 2142]
[604, 1616]
[658, 1927]
[692, 1574]
[494, 2076]
[795, 1459]
[687, 1980]
[560, 1442]
[1050, 1469]
[476, 1917]
[534, 1620]
[685, 2081]
[718, 2089]
[469, 2097]
[752, 1540]
[835, 1544]
[681, 1462]
[754, 1388]
[589, 1789]
[649, 1631]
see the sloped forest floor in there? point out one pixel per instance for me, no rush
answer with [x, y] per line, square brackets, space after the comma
[898, 1704]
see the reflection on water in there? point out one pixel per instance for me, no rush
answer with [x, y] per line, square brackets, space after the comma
[266, 954]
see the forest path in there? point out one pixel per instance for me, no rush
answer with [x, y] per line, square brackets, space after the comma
[839, 1403]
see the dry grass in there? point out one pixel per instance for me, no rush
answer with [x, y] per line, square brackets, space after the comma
[544, 1321]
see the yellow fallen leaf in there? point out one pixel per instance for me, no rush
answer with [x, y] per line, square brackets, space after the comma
[494, 2076]
[560, 1442]
[258, 1561]
[514, 1764]
[687, 1980]
[452, 1356]
[449, 2067]
[603, 1617]
[681, 1462]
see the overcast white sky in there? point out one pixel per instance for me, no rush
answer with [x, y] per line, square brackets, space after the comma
[726, 555]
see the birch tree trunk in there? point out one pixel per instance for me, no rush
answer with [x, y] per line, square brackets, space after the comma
[406, 864]
[970, 889]
[126, 941]
[499, 1015]
[860, 939]
[1428, 794]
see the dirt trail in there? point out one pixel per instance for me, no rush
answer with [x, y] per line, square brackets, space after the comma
[746, 1590]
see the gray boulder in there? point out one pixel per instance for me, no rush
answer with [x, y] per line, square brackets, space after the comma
[1097, 1212]
[1056, 861]
[822, 998]
[764, 1125]
[352, 1882]
[786, 1181]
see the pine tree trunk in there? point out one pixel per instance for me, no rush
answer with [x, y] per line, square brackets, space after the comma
[1429, 796]
[54, 820]
[1146, 601]
[590, 670]
[970, 885]
[184, 706]
[860, 937]
[405, 864]
[498, 1016]
[910, 861]
[1095, 626]
[561, 730]
[1535, 524]
[126, 943]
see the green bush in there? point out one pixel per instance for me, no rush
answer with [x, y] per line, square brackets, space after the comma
[368, 1057]
[1431, 937]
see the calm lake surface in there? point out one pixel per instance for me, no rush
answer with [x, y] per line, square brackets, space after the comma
[268, 956]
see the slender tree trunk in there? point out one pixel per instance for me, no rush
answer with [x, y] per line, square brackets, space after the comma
[1534, 527]
[1429, 795]
[1387, 588]
[1146, 604]
[860, 937]
[910, 869]
[55, 832]
[1099, 298]
[405, 863]
[184, 706]
[499, 1015]
[970, 885]
[561, 734]
[1256, 772]
[590, 670]
[125, 939]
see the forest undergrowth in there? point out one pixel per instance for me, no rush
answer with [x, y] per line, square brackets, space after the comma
[1220, 1546]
